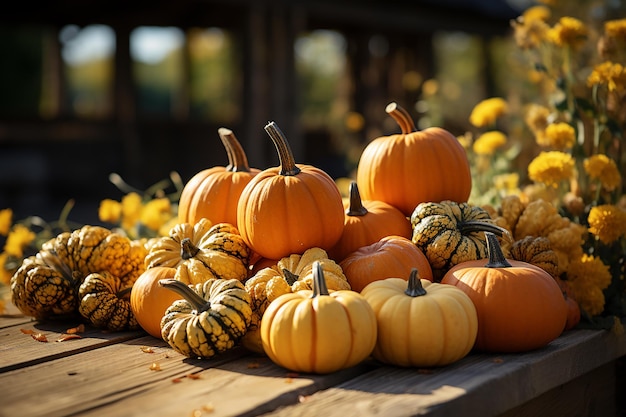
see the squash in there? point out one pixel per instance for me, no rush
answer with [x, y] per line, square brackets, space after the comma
[211, 319]
[366, 222]
[449, 233]
[421, 323]
[213, 193]
[536, 251]
[105, 301]
[149, 300]
[317, 331]
[520, 306]
[46, 284]
[413, 167]
[289, 208]
[202, 251]
[391, 256]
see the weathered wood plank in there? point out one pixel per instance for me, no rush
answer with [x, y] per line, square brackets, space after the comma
[478, 385]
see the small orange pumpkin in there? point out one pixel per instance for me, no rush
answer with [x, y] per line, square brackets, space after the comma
[366, 222]
[213, 193]
[520, 306]
[290, 208]
[414, 167]
[149, 300]
[391, 256]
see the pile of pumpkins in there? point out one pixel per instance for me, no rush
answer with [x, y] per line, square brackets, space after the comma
[404, 270]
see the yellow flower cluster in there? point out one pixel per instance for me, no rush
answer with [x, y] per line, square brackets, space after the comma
[588, 277]
[487, 111]
[489, 142]
[610, 74]
[18, 237]
[551, 168]
[607, 222]
[559, 136]
[568, 31]
[600, 167]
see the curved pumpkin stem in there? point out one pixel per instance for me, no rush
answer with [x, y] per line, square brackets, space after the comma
[198, 303]
[414, 287]
[496, 257]
[402, 117]
[237, 159]
[319, 282]
[290, 277]
[479, 226]
[356, 207]
[187, 249]
[285, 155]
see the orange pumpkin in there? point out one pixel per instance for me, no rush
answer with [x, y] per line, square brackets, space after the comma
[290, 208]
[391, 256]
[414, 167]
[213, 193]
[366, 222]
[573, 308]
[520, 306]
[149, 300]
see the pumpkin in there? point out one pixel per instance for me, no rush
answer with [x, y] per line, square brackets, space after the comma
[105, 301]
[201, 251]
[391, 256]
[366, 222]
[211, 319]
[289, 208]
[413, 167]
[421, 323]
[573, 308]
[316, 331]
[213, 193]
[46, 284]
[149, 300]
[520, 306]
[536, 251]
[449, 233]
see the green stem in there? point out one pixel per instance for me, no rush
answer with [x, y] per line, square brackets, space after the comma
[198, 303]
[414, 287]
[319, 282]
[496, 257]
[355, 207]
[285, 155]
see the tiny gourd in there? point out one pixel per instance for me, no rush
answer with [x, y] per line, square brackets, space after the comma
[317, 331]
[520, 306]
[421, 323]
[391, 256]
[209, 320]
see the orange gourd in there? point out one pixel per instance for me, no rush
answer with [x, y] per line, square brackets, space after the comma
[149, 300]
[414, 166]
[520, 306]
[391, 256]
[366, 222]
[290, 208]
[213, 193]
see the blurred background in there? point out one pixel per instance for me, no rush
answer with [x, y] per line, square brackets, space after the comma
[140, 88]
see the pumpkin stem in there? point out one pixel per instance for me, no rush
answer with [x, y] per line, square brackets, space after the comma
[496, 257]
[285, 155]
[402, 117]
[198, 303]
[483, 226]
[290, 277]
[319, 282]
[414, 287]
[237, 159]
[187, 249]
[356, 207]
[125, 293]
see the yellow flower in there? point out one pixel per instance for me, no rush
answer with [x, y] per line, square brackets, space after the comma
[530, 29]
[560, 136]
[550, 168]
[487, 111]
[590, 298]
[568, 31]
[613, 75]
[536, 117]
[131, 210]
[607, 222]
[6, 217]
[536, 13]
[19, 237]
[489, 142]
[465, 140]
[5, 274]
[110, 211]
[509, 183]
[601, 167]
[156, 213]
[615, 29]
[588, 276]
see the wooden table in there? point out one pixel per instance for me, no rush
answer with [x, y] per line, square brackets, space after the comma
[133, 374]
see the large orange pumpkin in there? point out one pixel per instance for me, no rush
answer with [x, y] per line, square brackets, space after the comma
[414, 167]
[520, 306]
[290, 208]
[213, 193]
[391, 256]
[366, 222]
[149, 300]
